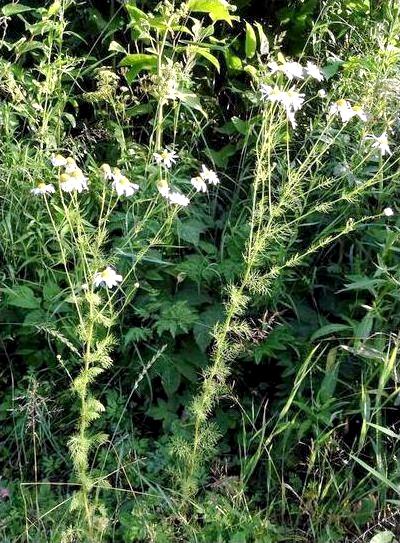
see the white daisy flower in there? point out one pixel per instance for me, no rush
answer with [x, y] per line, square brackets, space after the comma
[106, 171]
[123, 187]
[381, 142]
[42, 189]
[388, 212]
[292, 70]
[312, 70]
[199, 184]
[292, 100]
[273, 66]
[178, 199]
[75, 181]
[163, 188]
[321, 93]
[166, 158]
[70, 165]
[343, 109]
[58, 160]
[272, 94]
[360, 113]
[209, 175]
[107, 278]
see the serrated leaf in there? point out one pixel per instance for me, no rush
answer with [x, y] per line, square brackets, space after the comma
[24, 297]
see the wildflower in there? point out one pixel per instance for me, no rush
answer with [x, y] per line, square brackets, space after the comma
[209, 175]
[388, 212]
[70, 165]
[199, 184]
[321, 93]
[166, 158]
[292, 70]
[381, 142]
[312, 70]
[58, 160]
[42, 189]
[272, 94]
[123, 186]
[106, 171]
[108, 278]
[360, 113]
[178, 199]
[75, 181]
[163, 188]
[343, 109]
[292, 100]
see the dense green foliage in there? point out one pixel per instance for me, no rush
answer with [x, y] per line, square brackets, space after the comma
[239, 381]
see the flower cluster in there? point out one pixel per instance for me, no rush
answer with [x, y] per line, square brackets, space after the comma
[346, 111]
[167, 159]
[72, 179]
[205, 176]
[291, 100]
[294, 70]
[120, 183]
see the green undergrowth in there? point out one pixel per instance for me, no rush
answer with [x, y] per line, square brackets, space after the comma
[199, 282]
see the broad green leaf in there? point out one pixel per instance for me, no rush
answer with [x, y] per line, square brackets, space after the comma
[206, 54]
[233, 61]
[14, 9]
[115, 46]
[243, 127]
[221, 157]
[330, 329]
[216, 9]
[24, 297]
[138, 62]
[250, 42]
[192, 101]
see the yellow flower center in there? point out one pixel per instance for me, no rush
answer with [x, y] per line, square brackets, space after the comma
[107, 274]
[41, 186]
[341, 102]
